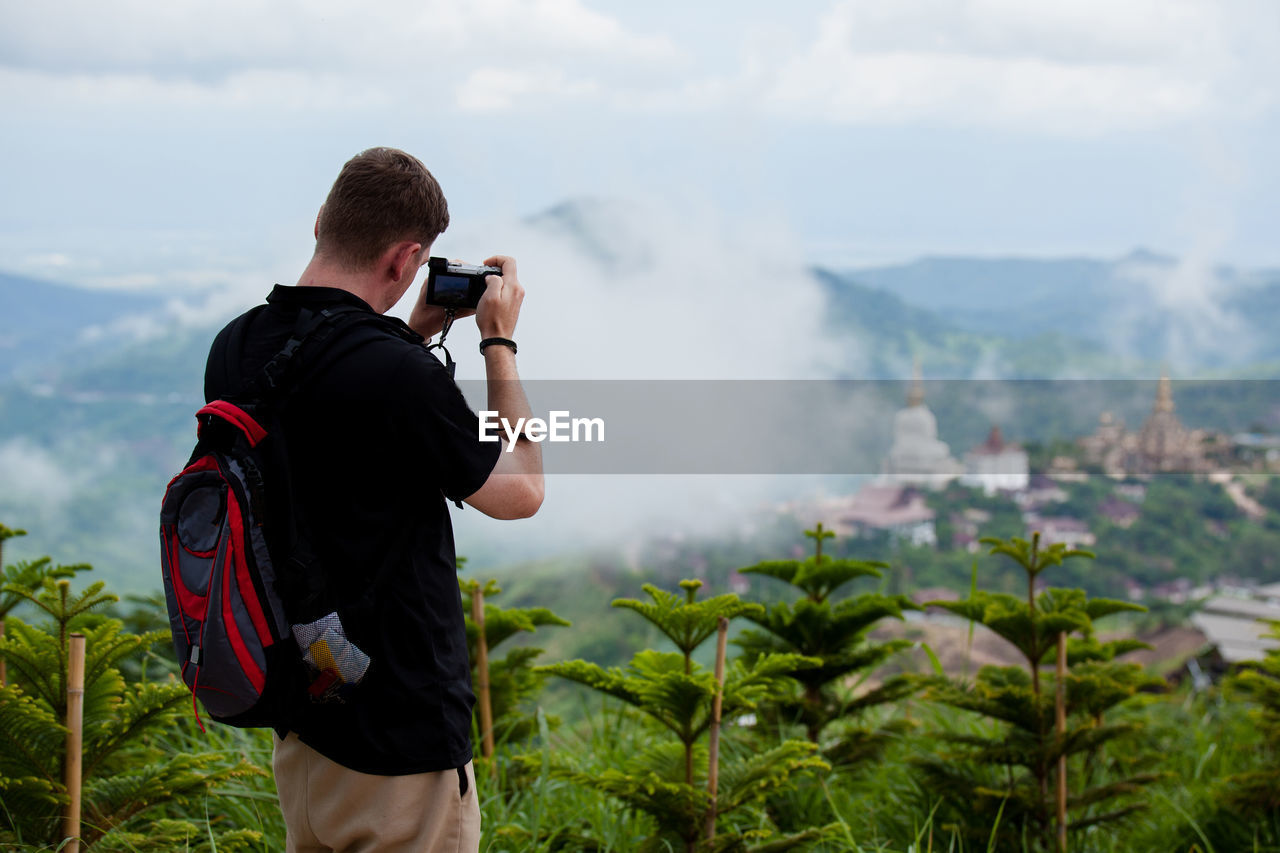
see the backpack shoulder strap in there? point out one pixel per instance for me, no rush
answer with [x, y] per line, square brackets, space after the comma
[316, 345]
[320, 339]
[222, 370]
[303, 355]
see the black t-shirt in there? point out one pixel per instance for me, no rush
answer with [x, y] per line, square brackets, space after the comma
[376, 442]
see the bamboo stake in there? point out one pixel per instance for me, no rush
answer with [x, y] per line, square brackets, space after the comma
[482, 673]
[75, 742]
[4, 672]
[713, 759]
[1061, 728]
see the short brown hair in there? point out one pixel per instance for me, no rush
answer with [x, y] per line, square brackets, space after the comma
[381, 196]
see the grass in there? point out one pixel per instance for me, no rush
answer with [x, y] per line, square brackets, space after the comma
[880, 808]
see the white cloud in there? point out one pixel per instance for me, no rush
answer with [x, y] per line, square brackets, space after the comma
[208, 42]
[46, 261]
[201, 299]
[498, 90]
[1061, 67]
[660, 290]
[1189, 302]
[281, 91]
[1081, 32]
[968, 90]
[1085, 67]
[31, 476]
[293, 58]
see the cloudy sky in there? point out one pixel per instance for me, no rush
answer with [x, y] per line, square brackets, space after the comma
[152, 142]
[724, 145]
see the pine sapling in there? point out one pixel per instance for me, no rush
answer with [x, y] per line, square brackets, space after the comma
[835, 631]
[1007, 772]
[675, 693]
[1257, 793]
[127, 773]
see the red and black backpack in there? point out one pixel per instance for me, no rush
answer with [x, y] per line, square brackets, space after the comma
[252, 626]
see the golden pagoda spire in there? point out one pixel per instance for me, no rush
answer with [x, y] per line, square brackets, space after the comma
[915, 396]
[1164, 393]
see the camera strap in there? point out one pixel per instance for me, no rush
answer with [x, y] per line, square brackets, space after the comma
[449, 365]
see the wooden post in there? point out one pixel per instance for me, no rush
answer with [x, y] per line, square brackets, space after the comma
[4, 672]
[713, 758]
[482, 673]
[1061, 728]
[75, 742]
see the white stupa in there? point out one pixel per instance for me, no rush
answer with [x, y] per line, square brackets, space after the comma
[917, 456]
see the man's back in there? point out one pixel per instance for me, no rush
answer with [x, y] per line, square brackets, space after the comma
[376, 441]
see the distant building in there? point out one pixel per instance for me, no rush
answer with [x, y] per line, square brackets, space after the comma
[966, 528]
[1269, 593]
[1162, 444]
[917, 457]
[1106, 447]
[892, 507]
[1235, 624]
[1041, 491]
[1177, 591]
[1135, 492]
[1179, 652]
[1065, 469]
[1120, 513]
[1256, 451]
[996, 465]
[1072, 532]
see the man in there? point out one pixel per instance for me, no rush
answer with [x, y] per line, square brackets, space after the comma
[376, 443]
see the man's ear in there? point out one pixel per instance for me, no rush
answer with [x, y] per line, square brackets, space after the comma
[319, 213]
[400, 260]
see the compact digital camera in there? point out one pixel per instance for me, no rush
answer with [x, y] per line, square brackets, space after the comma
[455, 285]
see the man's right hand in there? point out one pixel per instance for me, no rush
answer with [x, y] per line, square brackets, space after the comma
[515, 487]
[499, 307]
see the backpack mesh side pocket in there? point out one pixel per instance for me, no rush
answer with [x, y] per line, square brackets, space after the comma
[334, 663]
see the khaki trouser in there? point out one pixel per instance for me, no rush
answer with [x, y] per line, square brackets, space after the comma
[330, 808]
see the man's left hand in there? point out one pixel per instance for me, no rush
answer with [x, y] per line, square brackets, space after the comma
[428, 320]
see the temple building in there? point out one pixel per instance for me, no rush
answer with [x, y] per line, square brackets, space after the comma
[996, 465]
[1163, 444]
[894, 508]
[917, 457]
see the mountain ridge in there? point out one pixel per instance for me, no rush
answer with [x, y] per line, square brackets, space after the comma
[43, 320]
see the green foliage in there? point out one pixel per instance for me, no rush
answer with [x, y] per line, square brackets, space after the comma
[1183, 519]
[686, 621]
[512, 679]
[1006, 767]
[656, 684]
[1257, 793]
[27, 575]
[127, 771]
[963, 773]
[834, 633]
[677, 694]
[185, 835]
